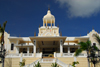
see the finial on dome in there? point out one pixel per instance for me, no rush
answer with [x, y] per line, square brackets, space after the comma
[87, 32]
[39, 25]
[92, 28]
[60, 33]
[48, 7]
[9, 32]
[98, 32]
[34, 33]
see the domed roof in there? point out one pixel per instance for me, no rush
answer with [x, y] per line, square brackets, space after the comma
[48, 15]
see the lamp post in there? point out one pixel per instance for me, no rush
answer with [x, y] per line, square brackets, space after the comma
[2, 56]
[92, 56]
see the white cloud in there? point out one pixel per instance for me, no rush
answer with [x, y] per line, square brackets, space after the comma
[81, 8]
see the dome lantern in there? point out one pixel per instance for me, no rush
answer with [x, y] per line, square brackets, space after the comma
[48, 19]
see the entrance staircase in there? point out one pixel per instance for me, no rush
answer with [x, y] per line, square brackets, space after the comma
[47, 62]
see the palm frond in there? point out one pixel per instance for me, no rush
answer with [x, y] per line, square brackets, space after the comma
[96, 48]
[83, 45]
[4, 25]
[78, 51]
[97, 38]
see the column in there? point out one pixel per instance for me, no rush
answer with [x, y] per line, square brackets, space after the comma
[28, 51]
[68, 49]
[54, 22]
[46, 23]
[34, 47]
[17, 50]
[21, 57]
[61, 47]
[51, 23]
[75, 59]
[43, 23]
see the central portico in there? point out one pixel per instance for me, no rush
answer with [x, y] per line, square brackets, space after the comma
[48, 45]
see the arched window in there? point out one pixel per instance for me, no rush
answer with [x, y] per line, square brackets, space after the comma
[12, 46]
[94, 44]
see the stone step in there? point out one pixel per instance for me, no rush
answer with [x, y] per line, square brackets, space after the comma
[47, 65]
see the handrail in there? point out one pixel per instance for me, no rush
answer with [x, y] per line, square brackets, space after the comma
[62, 63]
[32, 64]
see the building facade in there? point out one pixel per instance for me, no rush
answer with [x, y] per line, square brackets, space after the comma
[48, 47]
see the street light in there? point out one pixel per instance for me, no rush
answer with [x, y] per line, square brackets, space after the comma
[2, 56]
[92, 56]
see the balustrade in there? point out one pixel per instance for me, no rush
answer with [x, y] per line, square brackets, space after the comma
[47, 60]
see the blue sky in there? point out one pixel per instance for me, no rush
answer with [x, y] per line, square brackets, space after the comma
[74, 17]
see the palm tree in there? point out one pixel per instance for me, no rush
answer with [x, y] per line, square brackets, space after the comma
[84, 46]
[54, 65]
[2, 29]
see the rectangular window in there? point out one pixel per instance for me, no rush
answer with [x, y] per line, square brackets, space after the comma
[12, 46]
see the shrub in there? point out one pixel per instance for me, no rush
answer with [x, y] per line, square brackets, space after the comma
[54, 65]
[22, 63]
[37, 65]
[73, 63]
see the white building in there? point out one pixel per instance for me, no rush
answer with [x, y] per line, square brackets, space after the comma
[48, 41]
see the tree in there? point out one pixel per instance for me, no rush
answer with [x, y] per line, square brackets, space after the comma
[85, 46]
[2, 30]
[54, 65]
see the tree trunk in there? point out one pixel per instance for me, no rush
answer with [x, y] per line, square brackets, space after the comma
[2, 41]
[88, 63]
[88, 59]
[3, 62]
[2, 48]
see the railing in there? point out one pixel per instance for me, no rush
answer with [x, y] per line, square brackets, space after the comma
[27, 54]
[32, 64]
[30, 54]
[18, 55]
[68, 54]
[58, 55]
[47, 60]
[46, 55]
[38, 54]
[62, 64]
[83, 55]
[13, 55]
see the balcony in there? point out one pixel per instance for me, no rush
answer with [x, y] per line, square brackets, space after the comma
[24, 55]
[24, 44]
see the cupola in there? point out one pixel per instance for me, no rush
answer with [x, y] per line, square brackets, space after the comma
[48, 19]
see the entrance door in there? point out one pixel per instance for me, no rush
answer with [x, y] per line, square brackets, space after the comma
[48, 51]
